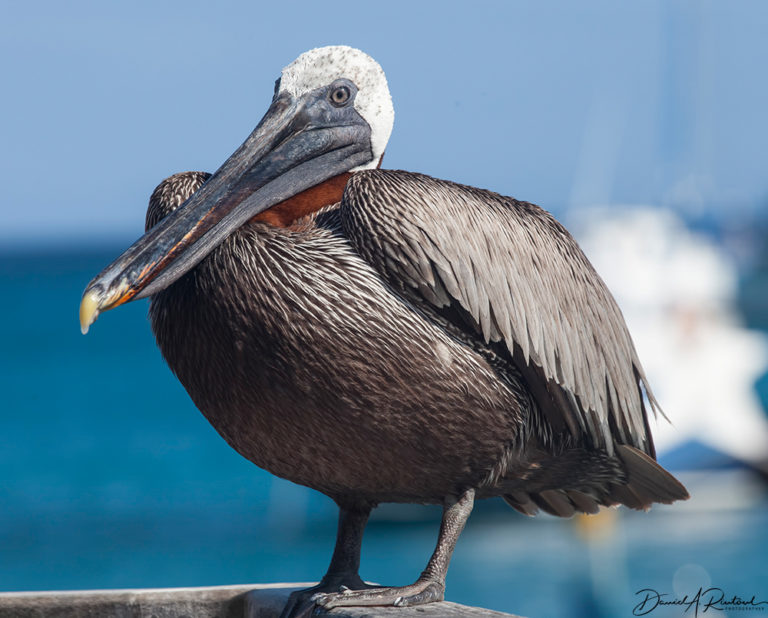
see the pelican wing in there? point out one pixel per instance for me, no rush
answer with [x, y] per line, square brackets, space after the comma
[508, 274]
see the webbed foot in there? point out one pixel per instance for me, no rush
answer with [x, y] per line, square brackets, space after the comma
[302, 603]
[418, 593]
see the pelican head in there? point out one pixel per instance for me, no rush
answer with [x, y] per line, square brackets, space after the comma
[331, 114]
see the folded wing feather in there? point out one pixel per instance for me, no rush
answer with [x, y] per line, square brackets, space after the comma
[519, 278]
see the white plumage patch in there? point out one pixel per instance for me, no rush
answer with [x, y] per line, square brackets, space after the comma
[321, 66]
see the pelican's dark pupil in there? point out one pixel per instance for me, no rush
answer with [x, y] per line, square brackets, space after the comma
[340, 95]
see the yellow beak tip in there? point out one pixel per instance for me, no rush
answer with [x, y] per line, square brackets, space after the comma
[89, 311]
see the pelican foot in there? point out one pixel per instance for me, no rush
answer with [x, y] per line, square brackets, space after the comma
[418, 593]
[301, 604]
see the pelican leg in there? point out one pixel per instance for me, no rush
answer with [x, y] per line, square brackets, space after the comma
[345, 562]
[431, 583]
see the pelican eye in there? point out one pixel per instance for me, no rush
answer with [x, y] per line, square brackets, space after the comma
[340, 95]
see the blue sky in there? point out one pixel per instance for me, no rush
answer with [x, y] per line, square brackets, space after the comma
[561, 103]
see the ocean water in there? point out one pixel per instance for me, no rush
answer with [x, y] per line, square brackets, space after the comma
[110, 478]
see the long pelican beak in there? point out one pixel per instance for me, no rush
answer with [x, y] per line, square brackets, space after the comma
[300, 142]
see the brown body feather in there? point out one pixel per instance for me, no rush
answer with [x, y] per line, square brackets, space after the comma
[422, 339]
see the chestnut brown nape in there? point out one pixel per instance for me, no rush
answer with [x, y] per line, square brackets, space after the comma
[307, 202]
[313, 199]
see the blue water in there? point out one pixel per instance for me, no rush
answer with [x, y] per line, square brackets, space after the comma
[110, 478]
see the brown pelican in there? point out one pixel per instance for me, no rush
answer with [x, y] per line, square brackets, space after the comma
[383, 336]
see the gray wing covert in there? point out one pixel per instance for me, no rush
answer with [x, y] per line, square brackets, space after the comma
[517, 277]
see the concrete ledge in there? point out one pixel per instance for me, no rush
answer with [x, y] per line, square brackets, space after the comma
[249, 601]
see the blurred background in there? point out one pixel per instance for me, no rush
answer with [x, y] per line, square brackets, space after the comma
[641, 125]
